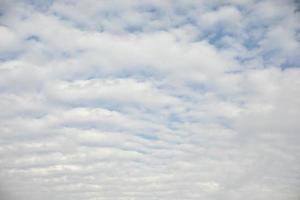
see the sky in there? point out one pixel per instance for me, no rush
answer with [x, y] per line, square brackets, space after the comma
[149, 99]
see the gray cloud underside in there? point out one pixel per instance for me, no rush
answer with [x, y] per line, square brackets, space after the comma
[130, 100]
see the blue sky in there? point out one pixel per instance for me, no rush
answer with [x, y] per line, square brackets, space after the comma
[149, 99]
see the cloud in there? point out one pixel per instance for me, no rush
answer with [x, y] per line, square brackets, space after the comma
[149, 100]
[111, 91]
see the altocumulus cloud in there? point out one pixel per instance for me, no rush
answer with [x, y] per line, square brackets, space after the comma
[130, 100]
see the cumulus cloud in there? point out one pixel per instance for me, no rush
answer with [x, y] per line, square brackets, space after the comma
[176, 99]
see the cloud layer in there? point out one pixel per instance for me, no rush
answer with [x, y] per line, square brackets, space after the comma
[129, 100]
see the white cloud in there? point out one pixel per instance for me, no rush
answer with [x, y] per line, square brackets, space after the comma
[8, 39]
[118, 91]
[226, 16]
[149, 100]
